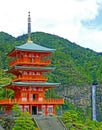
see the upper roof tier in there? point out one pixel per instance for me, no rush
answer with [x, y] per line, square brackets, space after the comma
[30, 46]
[14, 85]
[33, 47]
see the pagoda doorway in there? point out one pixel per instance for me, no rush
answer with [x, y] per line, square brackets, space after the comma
[34, 96]
[34, 110]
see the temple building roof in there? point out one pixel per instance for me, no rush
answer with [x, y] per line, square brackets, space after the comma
[16, 69]
[35, 84]
[33, 68]
[30, 46]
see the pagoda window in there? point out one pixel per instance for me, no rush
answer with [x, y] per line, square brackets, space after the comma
[30, 89]
[37, 73]
[20, 71]
[33, 73]
[30, 73]
[40, 99]
[30, 55]
[33, 55]
[34, 96]
[25, 73]
[40, 89]
[25, 55]
[19, 55]
[24, 89]
[24, 97]
[37, 58]
[34, 89]
[31, 59]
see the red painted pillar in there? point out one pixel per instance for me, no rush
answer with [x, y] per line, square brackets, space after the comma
[30, 109]
[28, 97]
[54, 109]
[46, 110]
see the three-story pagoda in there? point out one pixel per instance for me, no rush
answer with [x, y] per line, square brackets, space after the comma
[29, 65]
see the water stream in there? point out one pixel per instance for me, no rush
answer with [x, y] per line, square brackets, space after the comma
[93, 102]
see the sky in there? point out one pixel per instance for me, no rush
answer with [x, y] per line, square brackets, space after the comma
[79, 21]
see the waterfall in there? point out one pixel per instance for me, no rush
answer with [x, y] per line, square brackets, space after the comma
[93, 102]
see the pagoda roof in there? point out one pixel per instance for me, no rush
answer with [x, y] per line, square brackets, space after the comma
[15, 69]
[45, 84]
[30, 46]
[33, 68]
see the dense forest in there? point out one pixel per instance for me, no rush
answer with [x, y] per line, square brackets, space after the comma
[74, 64]
[76, 68]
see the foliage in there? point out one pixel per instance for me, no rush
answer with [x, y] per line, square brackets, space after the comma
[24, 122]
[16, 110]
[73, 121]
[5, 80]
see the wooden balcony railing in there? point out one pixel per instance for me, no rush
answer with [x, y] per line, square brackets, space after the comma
[5, 101]
[30, 79]
[44, 101]
[27, 62]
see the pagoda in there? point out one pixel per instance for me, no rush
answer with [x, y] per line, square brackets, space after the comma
[29, 65]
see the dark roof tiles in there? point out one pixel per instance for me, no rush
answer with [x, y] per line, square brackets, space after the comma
[34, 47]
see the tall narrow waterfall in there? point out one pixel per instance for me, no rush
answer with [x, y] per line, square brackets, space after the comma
[93, 102]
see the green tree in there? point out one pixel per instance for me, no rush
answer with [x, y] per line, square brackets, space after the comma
[99, 127]
[91, 125]
[72, 120]
[24, 122]
[16, 110]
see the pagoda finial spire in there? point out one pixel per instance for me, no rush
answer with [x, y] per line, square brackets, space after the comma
[29, 27]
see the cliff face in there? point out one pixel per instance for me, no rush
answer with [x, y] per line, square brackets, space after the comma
[80, 96]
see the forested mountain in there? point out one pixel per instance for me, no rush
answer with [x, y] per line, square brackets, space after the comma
[76, 67]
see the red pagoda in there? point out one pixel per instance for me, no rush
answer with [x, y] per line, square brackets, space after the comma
[29, 65]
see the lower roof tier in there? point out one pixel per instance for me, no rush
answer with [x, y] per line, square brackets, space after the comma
[17, 69]
[34, 68]
[15, 85]
[35, 83]
[31, 47]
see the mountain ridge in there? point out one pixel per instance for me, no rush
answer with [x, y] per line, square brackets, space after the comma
[68, 55]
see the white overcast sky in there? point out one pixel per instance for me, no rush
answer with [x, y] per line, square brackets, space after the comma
[79, 21]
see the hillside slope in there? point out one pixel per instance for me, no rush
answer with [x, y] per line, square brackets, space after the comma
[75, 64]
[76, 67]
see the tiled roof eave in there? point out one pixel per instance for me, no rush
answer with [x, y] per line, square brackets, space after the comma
[34, 47]
[35, 84]
[34, 68]
[35, 50]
